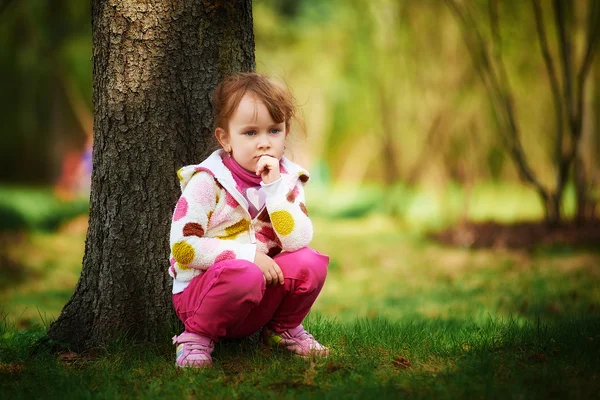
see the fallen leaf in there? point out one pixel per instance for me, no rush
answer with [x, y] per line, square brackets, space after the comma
[68, 356]
[401, 362]
[332, 366]
[11, 368]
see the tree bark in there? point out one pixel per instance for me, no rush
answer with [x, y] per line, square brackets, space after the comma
[155, 65]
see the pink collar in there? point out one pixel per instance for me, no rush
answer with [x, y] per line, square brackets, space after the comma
[243, 178]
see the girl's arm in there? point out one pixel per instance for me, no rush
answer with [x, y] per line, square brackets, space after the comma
[288, 214]
[189, 246]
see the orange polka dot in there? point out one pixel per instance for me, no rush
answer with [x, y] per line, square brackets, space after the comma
[183, 253]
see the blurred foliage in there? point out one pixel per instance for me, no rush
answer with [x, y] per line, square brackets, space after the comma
[45, 64]
[436, 207]
[396, 75]
[27, 209]
[387, 90]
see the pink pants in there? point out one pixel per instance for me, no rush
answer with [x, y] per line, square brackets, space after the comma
[231, 299]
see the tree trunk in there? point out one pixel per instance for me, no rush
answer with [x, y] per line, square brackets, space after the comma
[155, 67]
[388, 154]
[586, 167]
[552, 204]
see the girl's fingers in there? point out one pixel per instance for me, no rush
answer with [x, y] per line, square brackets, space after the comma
[261, 164]
[274, 275]
[268, 277]
[278, 273]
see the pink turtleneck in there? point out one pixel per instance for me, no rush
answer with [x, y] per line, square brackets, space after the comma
[243, 180]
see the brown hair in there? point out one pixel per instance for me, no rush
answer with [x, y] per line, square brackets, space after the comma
[229, 92]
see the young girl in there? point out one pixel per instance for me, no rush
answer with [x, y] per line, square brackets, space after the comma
[240, 231]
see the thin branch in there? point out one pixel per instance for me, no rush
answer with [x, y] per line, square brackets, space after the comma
[497, 45]
[495, 83]
[504, 84]
[593, 34]
[429, 146]
[564, 40]
[81, 111]
[554, 85]
[591, 49]
[501, 103]
[482, 63]
[506, 95]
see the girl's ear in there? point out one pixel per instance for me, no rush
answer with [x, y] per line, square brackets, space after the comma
[223, 139]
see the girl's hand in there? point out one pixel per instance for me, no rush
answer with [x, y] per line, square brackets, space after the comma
[268, 168]
[269, 268]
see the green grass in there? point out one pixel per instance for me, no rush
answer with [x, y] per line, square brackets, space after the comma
[404, 317]
[376, 358]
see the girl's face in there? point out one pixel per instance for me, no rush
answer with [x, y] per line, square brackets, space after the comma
[252, 133]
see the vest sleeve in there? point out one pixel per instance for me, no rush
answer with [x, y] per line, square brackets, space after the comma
[190, 248]
[288, 214]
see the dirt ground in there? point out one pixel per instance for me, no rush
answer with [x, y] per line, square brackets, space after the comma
[521, 235]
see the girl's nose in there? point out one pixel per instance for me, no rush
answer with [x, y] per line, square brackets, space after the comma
[263, 141]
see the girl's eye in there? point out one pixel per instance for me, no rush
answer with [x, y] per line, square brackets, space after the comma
[249, 133]
[274, 131]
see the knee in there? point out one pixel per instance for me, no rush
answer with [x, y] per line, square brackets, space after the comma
[313, 264]
[246, 281]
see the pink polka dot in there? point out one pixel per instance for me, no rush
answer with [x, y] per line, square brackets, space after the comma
[204, 193]
[173, 271]
[226, 255]
[231, 202]
[282, 169]
[181, 209]
[262, 238]
[219, 217]
[172, 261]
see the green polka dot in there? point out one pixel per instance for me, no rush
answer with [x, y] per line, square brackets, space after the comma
[282, 222]
[183, 253]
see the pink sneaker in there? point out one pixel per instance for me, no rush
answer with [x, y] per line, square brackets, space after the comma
[193, 350]
[297, 340]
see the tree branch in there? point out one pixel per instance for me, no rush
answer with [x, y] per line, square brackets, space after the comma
[554, 86]
[516, 147]
[502, 102]
[476, 48]
[591, 48]
[564, 39]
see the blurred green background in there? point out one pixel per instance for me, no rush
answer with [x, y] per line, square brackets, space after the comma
[397, 129]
